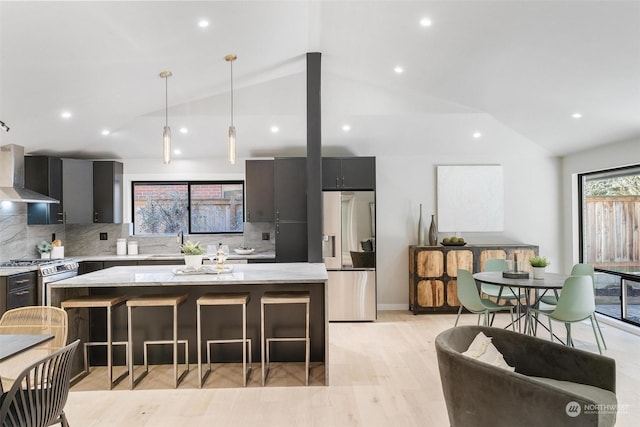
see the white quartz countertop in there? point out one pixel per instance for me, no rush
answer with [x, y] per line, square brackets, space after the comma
[268, 255]
[10, 271]
[169, 275]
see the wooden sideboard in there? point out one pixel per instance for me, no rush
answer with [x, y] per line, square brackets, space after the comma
[433, 271]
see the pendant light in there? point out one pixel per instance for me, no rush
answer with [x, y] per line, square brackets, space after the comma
[232, 130]
[166, 134]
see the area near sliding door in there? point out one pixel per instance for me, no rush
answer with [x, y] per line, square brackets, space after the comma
[610, 238]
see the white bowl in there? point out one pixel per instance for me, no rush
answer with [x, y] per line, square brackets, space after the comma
[243, 251]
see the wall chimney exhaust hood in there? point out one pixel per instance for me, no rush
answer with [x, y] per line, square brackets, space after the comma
[12, 178]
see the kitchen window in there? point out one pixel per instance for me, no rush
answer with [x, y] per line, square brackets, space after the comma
[192, 207]
[610, 239]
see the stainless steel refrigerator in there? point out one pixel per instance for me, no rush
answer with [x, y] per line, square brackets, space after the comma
[349, 229]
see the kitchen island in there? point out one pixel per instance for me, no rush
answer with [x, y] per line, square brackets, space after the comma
[255, 279]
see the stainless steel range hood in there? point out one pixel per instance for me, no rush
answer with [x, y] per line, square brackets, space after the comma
[12, 178]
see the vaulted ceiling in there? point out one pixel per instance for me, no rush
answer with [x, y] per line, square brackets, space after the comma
[501, 68]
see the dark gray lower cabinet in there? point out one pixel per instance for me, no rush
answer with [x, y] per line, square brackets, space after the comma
[18, 290]
[291, 242]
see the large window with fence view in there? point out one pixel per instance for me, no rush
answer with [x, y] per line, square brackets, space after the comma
[610, 239]
[191, 207]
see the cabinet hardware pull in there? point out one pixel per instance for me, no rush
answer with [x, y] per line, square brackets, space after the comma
[17, 282]
[277, 228]
[343, 182]
[21, 293]
[337, 182]
[277, 215]
[95, 217]
[248, 216]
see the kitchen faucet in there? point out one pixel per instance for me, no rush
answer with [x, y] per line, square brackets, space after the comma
[180, 240]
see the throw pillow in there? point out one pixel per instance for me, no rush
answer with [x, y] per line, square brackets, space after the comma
[478, 346]
[482, 349]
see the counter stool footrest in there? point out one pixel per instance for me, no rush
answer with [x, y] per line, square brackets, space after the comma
[175, 362]
[247, 374]
[307, 342]
[105, 344]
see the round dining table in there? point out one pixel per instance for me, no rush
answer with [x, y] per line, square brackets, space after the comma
[540, 287]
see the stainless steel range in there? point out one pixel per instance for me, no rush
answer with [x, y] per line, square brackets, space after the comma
[48, 271]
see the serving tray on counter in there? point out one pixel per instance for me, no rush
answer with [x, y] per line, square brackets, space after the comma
[205, 269]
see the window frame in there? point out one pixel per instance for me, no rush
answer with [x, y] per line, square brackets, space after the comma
[188, 183]
[623, 276]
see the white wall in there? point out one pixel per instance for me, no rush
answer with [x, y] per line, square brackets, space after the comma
[532, 210]
[605, 157]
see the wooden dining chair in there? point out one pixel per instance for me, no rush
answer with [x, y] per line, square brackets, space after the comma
[39, 393]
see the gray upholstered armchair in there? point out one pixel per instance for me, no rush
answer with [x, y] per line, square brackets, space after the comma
[553, 385]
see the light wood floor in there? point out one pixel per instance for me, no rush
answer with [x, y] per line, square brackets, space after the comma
[381, 374]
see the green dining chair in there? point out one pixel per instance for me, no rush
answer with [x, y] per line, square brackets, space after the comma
[575, 304]
[579, 269]
[495, 291]
[471, 300]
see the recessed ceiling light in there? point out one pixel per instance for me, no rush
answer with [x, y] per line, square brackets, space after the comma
[203, 23]
[65, 114]
[177, 151]
[477, 135]
[577, 115]
[184, 130]
[398, 69]
[425, 22]
[346, 128]
[105, 132]
[275, 129]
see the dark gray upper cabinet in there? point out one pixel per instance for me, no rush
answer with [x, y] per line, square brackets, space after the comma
[348, 173]
[44, 175]
[259, 176]
[77, 191]
[107, 192]
[290, 189]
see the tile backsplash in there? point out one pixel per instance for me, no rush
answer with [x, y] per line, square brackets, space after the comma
[18, 239]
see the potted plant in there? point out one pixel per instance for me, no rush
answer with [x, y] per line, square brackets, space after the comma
[45, 249]
[538, 264]
[193, 253]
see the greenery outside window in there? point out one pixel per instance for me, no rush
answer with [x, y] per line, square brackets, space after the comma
[610, 239]
[192, 207]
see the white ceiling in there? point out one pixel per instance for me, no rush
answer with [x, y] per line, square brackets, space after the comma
[503, 68]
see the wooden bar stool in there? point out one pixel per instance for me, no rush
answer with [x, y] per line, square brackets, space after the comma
[293, 297]
[108, 302]
[158, 301]
[217, 300]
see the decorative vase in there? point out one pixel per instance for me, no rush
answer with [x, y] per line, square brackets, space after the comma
[433, 232]
[421, 231]
[193, 261]
[538, 272]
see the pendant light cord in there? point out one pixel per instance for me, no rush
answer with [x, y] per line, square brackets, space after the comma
[231, 92]
[166, 101]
